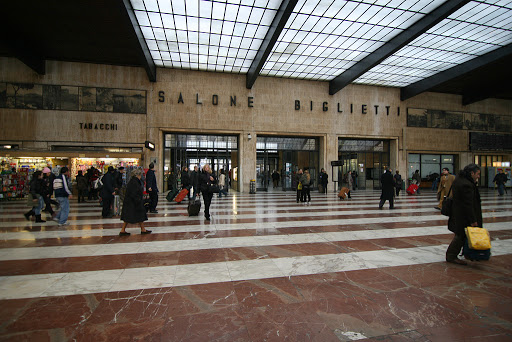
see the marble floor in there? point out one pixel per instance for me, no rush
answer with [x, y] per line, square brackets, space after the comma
[265, 268]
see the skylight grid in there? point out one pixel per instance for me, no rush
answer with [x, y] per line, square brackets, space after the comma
[205, 35]
[472, 31]
[344, 30]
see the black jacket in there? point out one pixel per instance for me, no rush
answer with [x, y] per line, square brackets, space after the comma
[151, 181]
[133, 205]
[500, 178]
[388, 186]
[45, 186]
[185, 179]
[108, 185]
[324, 178]
[81, 182]
[205, 182]
[466, 204]
[36, 187]
[118, 180]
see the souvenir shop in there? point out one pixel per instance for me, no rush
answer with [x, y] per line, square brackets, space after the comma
[16, 172]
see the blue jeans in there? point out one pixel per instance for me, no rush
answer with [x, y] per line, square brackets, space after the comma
[40, 205]
[62, 215]
[501, 189]
[222, 190]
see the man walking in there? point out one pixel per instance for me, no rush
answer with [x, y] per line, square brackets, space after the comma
[108, 192]
[388, 189]
[324, 180]
[444, 186]
[500, 179]
[152, 189]
[398, 182]
[466, 210]
[63, 195]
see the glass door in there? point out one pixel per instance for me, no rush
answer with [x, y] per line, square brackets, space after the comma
[262, 171]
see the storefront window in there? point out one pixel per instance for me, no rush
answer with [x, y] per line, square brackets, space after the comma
[430, 165]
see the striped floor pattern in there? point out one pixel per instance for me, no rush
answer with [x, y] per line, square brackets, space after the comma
[265, 268]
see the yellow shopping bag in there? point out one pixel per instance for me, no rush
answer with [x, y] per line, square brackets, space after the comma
[478, 238]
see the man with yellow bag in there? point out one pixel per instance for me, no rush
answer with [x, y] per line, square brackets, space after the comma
[466, 210]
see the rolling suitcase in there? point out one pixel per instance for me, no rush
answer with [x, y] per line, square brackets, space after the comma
[411, 190]
[343, 193]
[183, 193]
[171, 194]
[194, 207]
[116, 206]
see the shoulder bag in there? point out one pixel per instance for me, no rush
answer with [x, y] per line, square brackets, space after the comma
[446, 209]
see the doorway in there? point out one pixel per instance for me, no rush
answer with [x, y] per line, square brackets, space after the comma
[220, 151]
[366, 159]
[283, 157]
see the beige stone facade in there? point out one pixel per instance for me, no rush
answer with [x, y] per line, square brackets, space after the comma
[203, 102]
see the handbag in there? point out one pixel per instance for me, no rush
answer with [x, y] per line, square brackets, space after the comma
[214, 188]
[446, 209]
[299, 187]
[478, 238]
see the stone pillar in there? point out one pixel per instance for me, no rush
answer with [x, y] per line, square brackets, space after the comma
[331, 154]
[247, 150]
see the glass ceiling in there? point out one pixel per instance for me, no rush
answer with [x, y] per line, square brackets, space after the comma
[321, 39]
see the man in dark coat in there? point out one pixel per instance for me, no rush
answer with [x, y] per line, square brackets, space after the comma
[152, 189]
[324, 180]
[466, 210]
[500, 179]
[194, 180]
[107, 192]
[388, 187]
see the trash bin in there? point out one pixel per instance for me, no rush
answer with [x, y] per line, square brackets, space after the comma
[252, 186]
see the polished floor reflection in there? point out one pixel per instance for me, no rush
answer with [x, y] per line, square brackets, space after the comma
[265, 268]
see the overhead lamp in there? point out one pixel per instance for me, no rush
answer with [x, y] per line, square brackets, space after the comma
[149, 145]
[249, 136]
[10, 147]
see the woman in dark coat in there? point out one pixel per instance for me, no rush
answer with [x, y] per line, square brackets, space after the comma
[133, 205]
[466, 210]
[206, 180]
[388, 189]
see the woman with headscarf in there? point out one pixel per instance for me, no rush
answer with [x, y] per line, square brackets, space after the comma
[133, 204]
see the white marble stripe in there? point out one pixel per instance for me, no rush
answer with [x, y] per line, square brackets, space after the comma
[69, 233]
[27, 253]
[240, 199]
[235, 216]
[182, 209]
[79, 283]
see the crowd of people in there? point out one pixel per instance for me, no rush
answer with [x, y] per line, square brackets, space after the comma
[462, 189]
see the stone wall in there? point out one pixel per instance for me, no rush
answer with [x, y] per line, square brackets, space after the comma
[203, 102]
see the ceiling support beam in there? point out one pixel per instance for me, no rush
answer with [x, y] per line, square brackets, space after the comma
[146, 58]
[29, 56]
[395, 44]
[282, 15]
[459, 70]
[485, 91]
